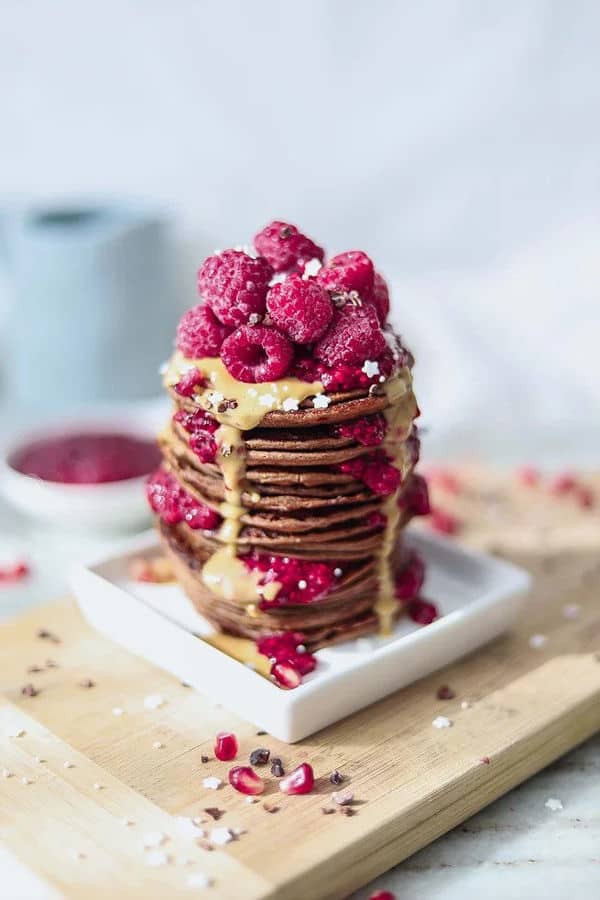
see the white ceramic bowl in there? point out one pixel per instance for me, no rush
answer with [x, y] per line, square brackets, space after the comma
[112, 506]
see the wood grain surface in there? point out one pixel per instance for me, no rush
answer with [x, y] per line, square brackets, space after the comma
[516, 708]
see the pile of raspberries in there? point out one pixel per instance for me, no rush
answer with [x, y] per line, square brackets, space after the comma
[260, 313]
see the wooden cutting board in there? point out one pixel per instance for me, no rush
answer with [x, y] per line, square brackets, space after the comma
[87, 770]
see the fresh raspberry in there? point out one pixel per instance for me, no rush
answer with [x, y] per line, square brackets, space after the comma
[286, 248]
[422, 611]
[188, 383]
[257, 353]
[341, 377]
[201, 427]
[381, 297]
[353, 337]
[409, 581]
[302, 309]
[350, 271]
[235, 285]
[444, 522]
[200, 333]
[415, 498]
[367, 430]
[374, 470]
[174, 505]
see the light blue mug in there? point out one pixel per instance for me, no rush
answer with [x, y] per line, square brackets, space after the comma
[93, 311]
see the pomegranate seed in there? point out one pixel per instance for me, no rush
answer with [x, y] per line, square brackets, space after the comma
[382, 895]
[585, 497]
[423, 612]
[226, 746]
[285, 675]
[300, 781]
[245, 780]
[444, 522]
[562, 484]
[528, 476]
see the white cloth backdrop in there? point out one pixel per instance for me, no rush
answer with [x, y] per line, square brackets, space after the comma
[458, 142]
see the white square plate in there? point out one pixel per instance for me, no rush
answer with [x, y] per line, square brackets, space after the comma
[478, 596]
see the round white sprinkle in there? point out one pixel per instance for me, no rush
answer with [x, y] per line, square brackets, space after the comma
[127, 822]
[198, 880]
[6, 773]
[302, 584]
[554, 804]
[117, 711]
[337, 572]
[212, 783]
[537, 641]
[157, 858]
[441, 722]
[25, 780]
[157, 745]
[98, 787]
[571, 610]
[154, 839]
[68, 765]
[16, 732]
[321, 401]
[154, 701]
[221, 836]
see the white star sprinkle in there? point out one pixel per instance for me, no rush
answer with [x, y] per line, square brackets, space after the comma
[212, 783]
[321, 401]
[312, 268]
[554, 804]
[370, 368]
[441, 722]
[290, 404]
[188, 828]
[220, 836]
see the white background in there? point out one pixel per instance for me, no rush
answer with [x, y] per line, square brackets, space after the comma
[457, 142]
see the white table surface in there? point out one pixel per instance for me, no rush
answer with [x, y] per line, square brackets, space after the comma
[515, 848]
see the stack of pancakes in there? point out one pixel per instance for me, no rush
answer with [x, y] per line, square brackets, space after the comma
[296, 503]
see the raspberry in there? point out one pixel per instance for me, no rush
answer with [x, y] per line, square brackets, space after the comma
[375, 471]
[192, 379]
[422, 611]
[415, 498]
[201, 427]
[368, 430]
[353, 337]
[286, 248]
[381, 297]
[235, 285]
[410, 580]
[174, 505]
[350, 271]
[302, 309]
[444, 522]
[257, 353]
[200, 333]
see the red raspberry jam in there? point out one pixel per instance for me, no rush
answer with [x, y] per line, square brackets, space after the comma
[287, 648]
[301, 581]
[87, 458]
[174, 505]
[201, 427]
